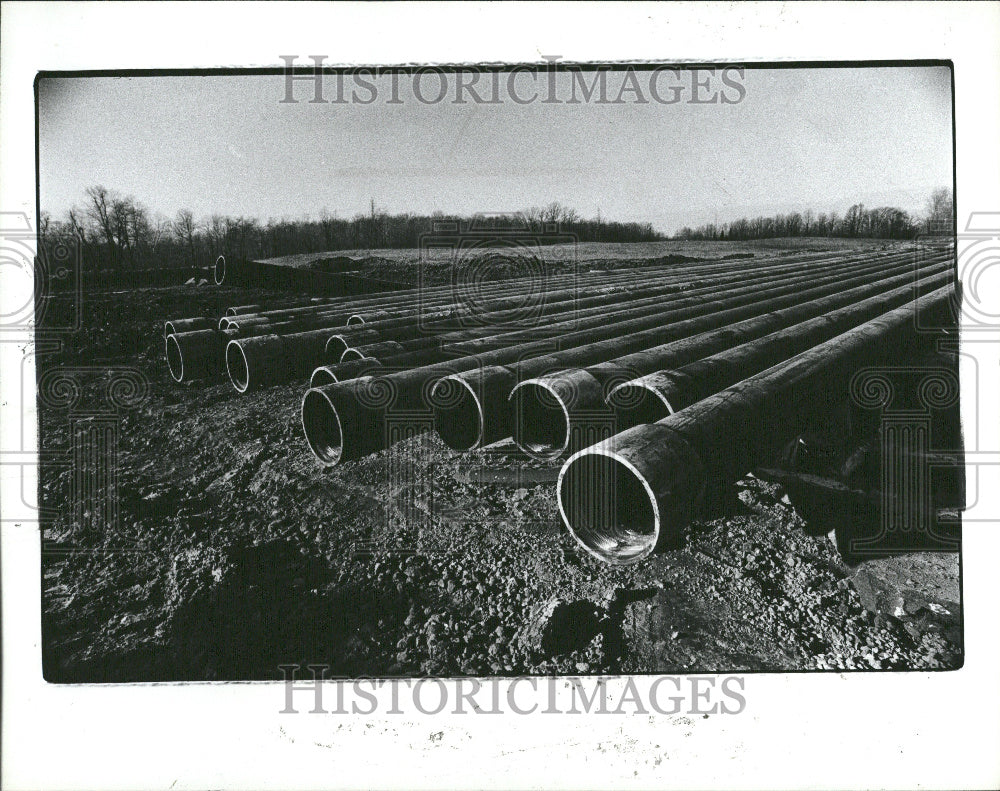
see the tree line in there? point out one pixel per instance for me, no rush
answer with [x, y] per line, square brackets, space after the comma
[117, 232]
[859, 222]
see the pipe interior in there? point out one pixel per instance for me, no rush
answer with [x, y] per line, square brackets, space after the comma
[458, 418]
[351, 354]
[322, 427]
[637, 405]
[236, 365]
[355, 320]
[220, 270]
[541, 424]
[608, 508]
[168, 329]
[175, 360]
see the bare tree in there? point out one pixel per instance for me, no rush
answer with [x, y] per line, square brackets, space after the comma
[185, 230]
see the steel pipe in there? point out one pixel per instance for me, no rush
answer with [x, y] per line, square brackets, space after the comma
[661, 393]
[371, 350]
[557, 412]
[361, 404]
[623, 498]
[479, 411]
[187, 325]
[430, 348]
[196, 355]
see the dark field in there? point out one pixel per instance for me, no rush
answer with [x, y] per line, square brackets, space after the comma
[216, 547]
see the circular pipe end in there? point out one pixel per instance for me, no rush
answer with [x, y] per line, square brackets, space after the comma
[355, 320]
[335, 347]
[175, 358]
[322, 427]
[608, 506]
[237, 366]
[458, 414]
[351, 354]
[541, 423]
[322, 376]
[639, 402]
[220, 270]
[168, 329]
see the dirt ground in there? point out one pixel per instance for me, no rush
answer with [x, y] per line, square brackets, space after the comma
[210, 544]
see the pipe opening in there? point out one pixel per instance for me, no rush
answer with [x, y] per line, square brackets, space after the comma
[322, 376]
[168, 329]
[220, 270]
[335, 347]
[458, 415]
[351, 354]
[237, 366]
[175, 359]
[608, 507]
[321, 424]
[636, 404]
[541, 421]
[230, 311]
[355, 320]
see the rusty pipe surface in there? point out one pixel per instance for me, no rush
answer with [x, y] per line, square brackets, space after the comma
[635, 492]
[361, 403]
[558, 412]
[479, 411]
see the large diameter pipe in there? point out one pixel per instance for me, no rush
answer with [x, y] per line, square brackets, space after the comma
[558, 412]
[623, 498]
[661, 393]
[272, 359]
[344, 371]
[198, 354]
[347, 420]
[478, 411]
[376, 350]
[187, 325]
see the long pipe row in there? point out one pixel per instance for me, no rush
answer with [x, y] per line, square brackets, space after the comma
[490, 404]
[188, 360]
[429, 345]
[274, 358]
[347, 419]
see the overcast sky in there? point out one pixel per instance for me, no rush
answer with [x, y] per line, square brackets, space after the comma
[816, 138]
